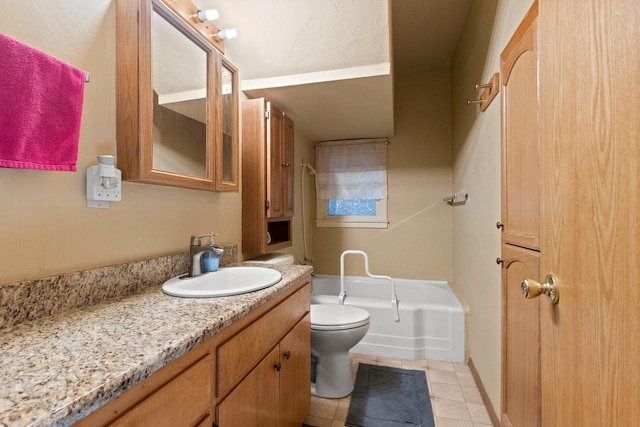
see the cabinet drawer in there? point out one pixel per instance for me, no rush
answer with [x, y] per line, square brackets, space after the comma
[236, 357]
[185, 400]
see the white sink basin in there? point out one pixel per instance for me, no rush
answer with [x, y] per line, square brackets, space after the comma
[224, 282]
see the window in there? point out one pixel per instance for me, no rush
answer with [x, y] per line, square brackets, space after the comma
[351, 183]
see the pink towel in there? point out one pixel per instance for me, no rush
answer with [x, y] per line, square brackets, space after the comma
[40, 109]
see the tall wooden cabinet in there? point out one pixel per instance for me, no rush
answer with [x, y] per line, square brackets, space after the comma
[520, 223]
[267, 177]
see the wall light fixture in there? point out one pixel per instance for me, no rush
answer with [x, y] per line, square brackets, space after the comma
[207, 15]
[230, 33]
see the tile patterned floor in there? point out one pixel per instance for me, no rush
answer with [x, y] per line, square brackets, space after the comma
[455, 398]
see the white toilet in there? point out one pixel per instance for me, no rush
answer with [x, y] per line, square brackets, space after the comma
[335, 329]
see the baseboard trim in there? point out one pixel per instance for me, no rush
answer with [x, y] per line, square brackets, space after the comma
[485, 397]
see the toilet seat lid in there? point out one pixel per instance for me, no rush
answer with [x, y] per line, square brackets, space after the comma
[337, 316]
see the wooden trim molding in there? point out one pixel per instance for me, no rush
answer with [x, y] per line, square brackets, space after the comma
[485, 397]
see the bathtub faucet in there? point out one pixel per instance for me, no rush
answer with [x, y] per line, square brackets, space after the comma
[343, 293]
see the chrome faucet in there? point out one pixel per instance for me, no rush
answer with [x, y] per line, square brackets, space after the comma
[196, 249]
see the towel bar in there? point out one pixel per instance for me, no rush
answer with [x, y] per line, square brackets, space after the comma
[459, 197]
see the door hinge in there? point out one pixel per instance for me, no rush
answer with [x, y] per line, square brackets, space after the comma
[266, 204]
[137, 15]
[266, 114]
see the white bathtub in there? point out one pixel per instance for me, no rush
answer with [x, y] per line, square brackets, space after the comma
[431, 322]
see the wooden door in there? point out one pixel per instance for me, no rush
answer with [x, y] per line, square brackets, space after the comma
[590, 136]
[288, 165]
[295, 376]
[274, 162]
[520, 340]
[254, 402]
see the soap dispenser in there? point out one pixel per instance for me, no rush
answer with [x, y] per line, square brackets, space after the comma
[211, 258]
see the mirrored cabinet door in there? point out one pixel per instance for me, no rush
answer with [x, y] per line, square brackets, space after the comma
[227, 135]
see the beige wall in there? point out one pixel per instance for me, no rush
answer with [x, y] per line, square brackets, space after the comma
[476, 168]
[45, 226]
[417, 244]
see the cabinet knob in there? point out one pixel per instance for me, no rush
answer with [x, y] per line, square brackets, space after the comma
[499, 225]
[499, 260]
[286, 165]
[287, 355]
[277, 366]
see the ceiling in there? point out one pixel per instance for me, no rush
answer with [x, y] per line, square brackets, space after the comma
[329, 64]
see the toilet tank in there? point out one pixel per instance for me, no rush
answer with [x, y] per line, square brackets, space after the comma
[274, 259]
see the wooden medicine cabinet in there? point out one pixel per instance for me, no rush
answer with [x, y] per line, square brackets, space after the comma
[177, 99]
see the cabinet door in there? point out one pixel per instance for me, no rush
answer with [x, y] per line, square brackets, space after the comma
[275, 182]
[295, 376]
[521, 340]
[520, 146]
[254, 402]
[288, 170]
[185, 400]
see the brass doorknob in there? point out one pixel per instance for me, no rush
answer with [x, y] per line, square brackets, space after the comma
[531, 288]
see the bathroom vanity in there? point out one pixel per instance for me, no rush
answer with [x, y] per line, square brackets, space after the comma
[257, 369]
[152, 359]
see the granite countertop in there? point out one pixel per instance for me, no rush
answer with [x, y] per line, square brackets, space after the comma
[55, 371]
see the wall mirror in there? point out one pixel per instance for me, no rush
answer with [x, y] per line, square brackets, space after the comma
[176, 123]
[179, 83]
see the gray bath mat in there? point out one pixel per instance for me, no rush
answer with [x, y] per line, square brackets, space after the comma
[389, 397]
